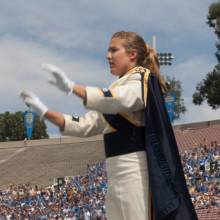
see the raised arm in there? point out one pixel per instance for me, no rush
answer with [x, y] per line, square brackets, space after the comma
[33, 101]
[92, 123]
[122, 98]
[116, 99]
[62, 82]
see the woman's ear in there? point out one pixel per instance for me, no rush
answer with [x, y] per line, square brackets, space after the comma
[133, 54]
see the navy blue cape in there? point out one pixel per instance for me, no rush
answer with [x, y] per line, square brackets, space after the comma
[170, 196]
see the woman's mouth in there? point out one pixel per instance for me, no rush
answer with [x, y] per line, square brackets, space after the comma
[111, 65]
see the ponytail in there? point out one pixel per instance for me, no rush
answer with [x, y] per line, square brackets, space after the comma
[151, 62]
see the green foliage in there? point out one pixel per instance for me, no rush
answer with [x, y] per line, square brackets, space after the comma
[197, 98]
[2, 128]
[12, 127]
[175, 86]
[40, 129]
[214, 11]
[209, 88]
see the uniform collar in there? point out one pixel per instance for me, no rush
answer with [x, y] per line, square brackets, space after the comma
[136, 69]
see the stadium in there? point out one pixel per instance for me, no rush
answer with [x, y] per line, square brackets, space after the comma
[36, 175]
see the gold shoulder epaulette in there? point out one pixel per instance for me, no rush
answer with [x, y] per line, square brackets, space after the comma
[140, 69]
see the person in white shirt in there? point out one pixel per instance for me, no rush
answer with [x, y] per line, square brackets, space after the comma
[118, 113]
[87, 215]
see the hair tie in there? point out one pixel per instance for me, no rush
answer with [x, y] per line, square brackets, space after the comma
[147, 46]
[147, 49]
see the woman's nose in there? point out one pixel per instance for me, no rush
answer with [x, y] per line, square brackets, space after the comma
[108, 55]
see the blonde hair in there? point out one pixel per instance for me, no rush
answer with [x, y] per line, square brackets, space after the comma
[146, 56]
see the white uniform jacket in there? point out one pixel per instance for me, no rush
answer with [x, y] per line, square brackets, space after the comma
[126, 99]
[127, 195]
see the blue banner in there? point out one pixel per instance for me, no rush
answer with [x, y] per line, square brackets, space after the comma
[170, 99]
[29, 123]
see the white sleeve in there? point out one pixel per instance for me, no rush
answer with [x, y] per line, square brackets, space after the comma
[92, 123]
[123, 98]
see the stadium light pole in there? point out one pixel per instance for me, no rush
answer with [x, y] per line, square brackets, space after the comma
[154, 42]
[164, 58]
[170, 98]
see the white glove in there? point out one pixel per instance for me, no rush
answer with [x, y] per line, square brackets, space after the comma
[61, 79]
[31, 100]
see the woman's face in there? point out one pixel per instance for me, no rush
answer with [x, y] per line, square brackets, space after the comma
[120, 60]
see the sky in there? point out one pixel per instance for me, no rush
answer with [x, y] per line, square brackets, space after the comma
[74, 35]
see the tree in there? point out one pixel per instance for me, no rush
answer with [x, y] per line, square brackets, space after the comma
[175, 86]
[12, 127]
[209, 88]
[40, 129]
[2, 128]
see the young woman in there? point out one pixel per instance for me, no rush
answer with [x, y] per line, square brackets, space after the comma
[118, 113]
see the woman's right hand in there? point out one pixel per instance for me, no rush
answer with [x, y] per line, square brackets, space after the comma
[32, 101]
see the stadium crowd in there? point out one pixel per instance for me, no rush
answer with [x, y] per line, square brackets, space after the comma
[83, 197]
[202, 172]
[79, 198]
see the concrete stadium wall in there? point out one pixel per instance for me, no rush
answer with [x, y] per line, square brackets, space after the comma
[52, 141]
[41, 161]
[197, 124]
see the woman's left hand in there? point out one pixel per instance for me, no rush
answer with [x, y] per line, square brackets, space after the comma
[61, 80]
